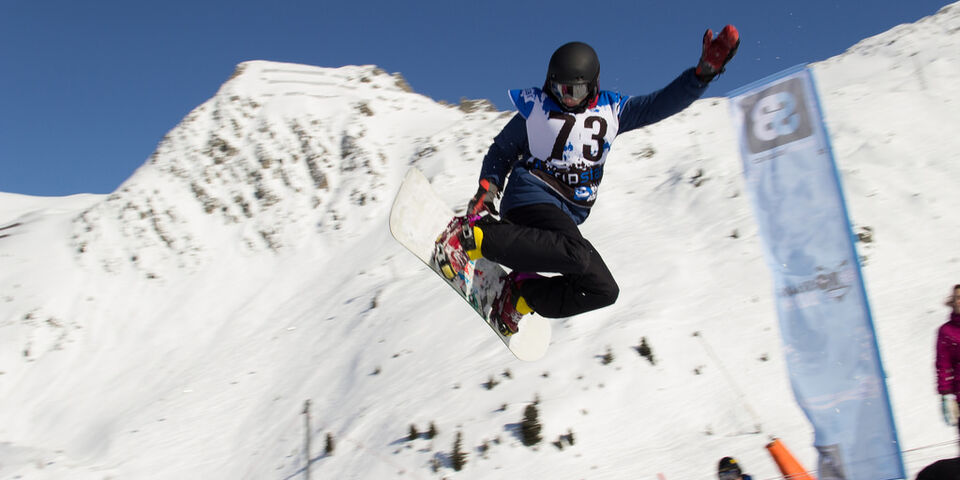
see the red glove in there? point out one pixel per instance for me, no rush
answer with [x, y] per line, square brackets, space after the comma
[484, 199]
[717, 52]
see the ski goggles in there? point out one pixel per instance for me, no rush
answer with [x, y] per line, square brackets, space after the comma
[575, 92]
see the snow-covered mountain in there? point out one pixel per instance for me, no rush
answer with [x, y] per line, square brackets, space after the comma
[177, 327]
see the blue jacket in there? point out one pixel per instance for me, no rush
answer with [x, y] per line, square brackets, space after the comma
[510, 151]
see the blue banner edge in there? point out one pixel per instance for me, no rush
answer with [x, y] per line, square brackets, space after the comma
[856, 257]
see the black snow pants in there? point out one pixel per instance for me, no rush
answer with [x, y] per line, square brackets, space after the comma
[542, 238]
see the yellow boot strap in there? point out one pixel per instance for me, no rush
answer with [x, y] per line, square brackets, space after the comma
[522, 306]
[478, 238]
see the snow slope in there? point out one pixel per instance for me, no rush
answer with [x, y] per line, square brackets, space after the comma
[176, 328]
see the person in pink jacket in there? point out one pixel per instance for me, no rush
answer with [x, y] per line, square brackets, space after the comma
[948, 360]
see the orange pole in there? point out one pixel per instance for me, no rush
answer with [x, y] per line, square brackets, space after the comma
[789, 466]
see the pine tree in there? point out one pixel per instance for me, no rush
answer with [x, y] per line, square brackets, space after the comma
[413, 433]
[645, 351]
[458, 458]
[566, 438]
[328, 450]
[483, 449]
[432, 432]
[607, 358]
[530, 426]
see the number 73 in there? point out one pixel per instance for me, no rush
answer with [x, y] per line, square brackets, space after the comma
[569, 121]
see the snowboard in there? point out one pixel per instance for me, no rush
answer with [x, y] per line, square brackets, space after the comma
[417, 219]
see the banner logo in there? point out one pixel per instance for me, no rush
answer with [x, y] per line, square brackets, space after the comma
[776, 116]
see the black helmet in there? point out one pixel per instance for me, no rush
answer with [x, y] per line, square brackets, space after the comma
[573, 72]
[728, 468]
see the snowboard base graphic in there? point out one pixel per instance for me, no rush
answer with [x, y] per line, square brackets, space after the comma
[417, 218]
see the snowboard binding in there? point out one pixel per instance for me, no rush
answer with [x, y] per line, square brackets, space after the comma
[449, 253]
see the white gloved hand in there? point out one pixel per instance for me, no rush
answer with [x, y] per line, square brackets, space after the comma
[950, 409]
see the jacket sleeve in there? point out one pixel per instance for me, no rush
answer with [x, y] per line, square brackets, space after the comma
[642, 110]
[944, 363]
[508, 146]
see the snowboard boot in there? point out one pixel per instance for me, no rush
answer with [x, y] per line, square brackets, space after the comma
[509, 306]
[459, 244]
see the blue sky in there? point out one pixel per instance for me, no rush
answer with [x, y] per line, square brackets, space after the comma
[88, 89]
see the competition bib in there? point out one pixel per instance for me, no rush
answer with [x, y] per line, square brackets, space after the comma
[569, 149]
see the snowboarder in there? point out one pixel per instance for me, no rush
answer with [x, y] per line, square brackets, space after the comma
[548, 163]
[729, 469]
[948, 360]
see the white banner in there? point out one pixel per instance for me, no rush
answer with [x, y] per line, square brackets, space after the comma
[825, 322]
